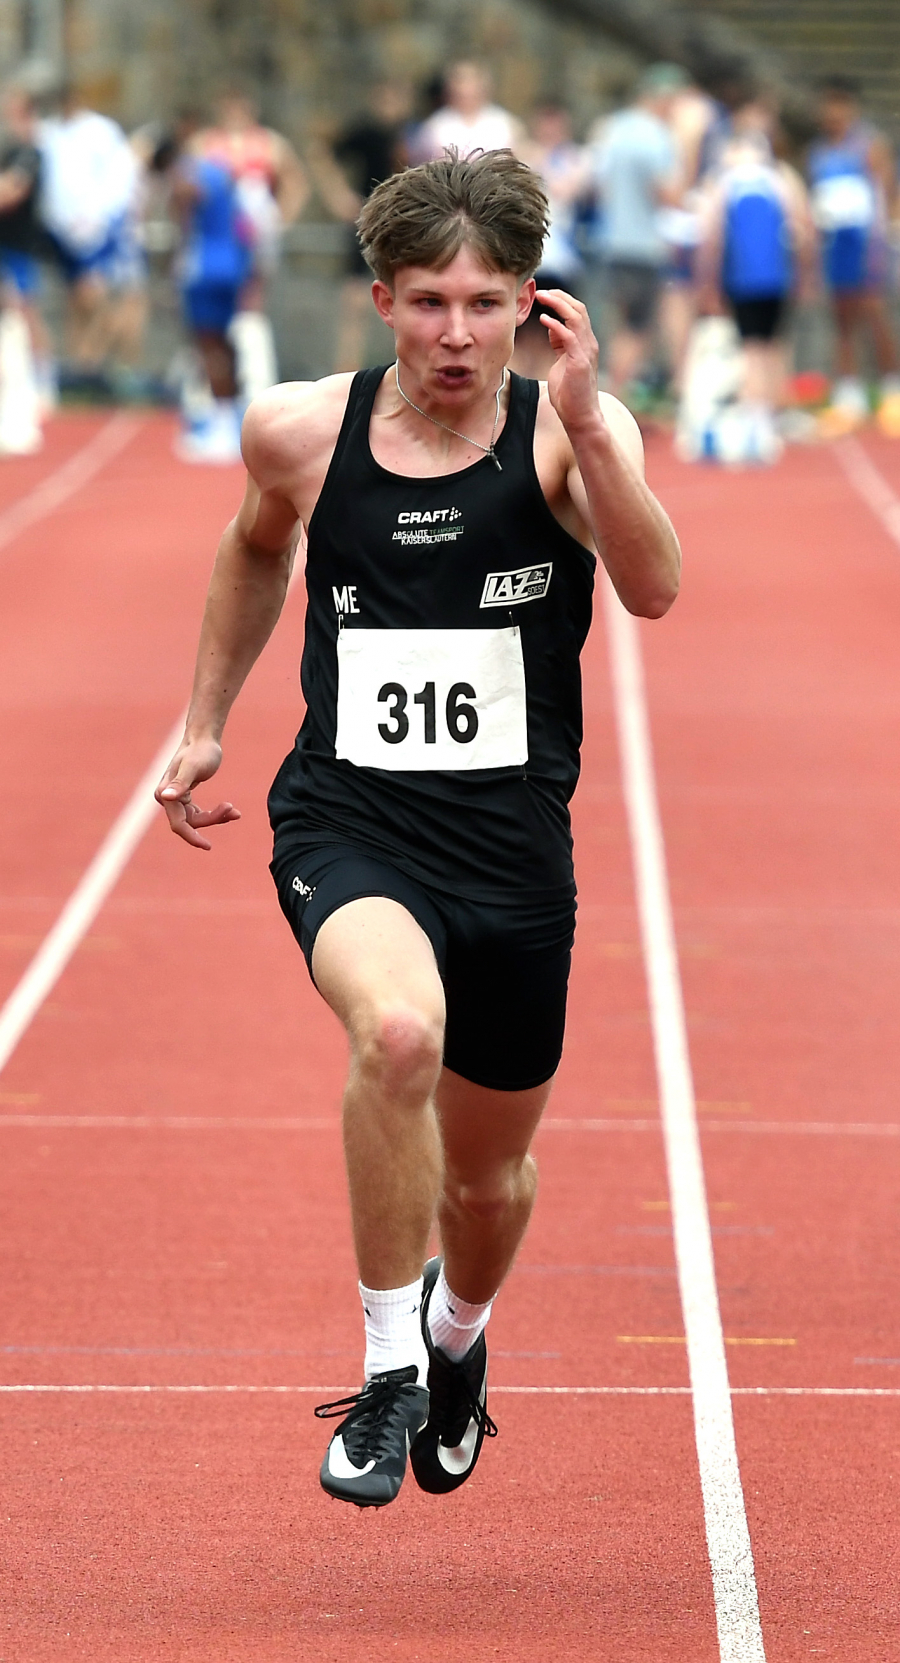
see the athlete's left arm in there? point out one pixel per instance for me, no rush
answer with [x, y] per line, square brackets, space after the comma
[605, 471]
[884, 170]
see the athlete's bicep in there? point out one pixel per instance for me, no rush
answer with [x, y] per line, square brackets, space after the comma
[267, 519]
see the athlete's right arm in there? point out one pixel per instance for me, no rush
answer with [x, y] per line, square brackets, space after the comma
[288, 437]
[245, 598]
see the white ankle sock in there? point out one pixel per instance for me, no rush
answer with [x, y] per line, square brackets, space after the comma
[453, 1324]
[394, 1329]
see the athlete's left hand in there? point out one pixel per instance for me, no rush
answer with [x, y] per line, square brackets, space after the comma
[572, 382]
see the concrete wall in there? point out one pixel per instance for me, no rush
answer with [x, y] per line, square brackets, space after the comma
[309, 61]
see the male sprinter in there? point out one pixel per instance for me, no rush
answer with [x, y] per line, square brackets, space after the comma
[422, 847]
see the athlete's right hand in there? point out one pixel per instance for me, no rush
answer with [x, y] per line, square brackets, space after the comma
[192, 763]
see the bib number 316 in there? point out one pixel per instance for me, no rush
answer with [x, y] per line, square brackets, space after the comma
[440, 698]
[461, 718]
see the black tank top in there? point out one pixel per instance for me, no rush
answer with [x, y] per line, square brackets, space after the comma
[445, 618]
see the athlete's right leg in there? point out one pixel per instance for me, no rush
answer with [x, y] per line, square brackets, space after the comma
[88, 306]
[847, 317]
[217, 356]
[375, 966]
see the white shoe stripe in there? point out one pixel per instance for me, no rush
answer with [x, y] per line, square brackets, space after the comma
[340, 1464]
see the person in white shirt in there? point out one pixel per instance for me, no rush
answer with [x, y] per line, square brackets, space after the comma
[90, 183]
[467, 121]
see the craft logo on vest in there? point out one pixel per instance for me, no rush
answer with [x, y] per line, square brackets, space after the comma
[431, 525]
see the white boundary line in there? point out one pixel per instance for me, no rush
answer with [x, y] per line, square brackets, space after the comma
[274, 1123]
[84, 903]
[167, 1122]
[508, 1391]
[869, 482]
[727, 1531]
[123, 837]
[113, 436]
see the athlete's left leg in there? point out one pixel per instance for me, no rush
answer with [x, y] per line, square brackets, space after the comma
[876, 315]
[490, 1179]
[485, 1204]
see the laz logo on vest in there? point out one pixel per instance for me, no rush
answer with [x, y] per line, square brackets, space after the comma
[530, 583]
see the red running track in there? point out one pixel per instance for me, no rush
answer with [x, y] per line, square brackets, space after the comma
[172, 1195]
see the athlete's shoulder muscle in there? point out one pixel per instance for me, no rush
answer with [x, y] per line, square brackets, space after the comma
[290, 432]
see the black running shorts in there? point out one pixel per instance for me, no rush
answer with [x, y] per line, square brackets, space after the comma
[759, 317]
[504, 965]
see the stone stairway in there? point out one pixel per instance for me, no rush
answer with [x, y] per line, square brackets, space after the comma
[785, 44]
[818, 37]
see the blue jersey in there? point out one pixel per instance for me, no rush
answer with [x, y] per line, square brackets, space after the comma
[757, 258]
[844, 193]
[217, 247]
[848, 208]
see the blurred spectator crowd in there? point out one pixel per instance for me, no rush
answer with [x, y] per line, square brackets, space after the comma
[691, 227]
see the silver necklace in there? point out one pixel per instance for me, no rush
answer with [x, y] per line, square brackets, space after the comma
[488, 449]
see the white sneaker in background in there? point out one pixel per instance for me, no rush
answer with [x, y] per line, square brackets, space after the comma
[46, 375]
[850, 395]
[253, 339]
[20, 411]
[214, 437]
[888, 413]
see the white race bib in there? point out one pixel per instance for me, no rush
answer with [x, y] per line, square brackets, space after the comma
[431, 698]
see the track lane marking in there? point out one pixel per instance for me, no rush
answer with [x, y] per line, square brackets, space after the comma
[249, 1123]
[680, 1339]
[502, 1391]
[190, 1123]
[727, 1532]
[869, 482]
[82, 907]
[169, 1123]
[52, 492]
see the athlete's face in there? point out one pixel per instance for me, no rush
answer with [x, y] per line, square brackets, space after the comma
[455, 329]
[837, 115]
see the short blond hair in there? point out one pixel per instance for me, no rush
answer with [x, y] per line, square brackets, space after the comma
[491, 200]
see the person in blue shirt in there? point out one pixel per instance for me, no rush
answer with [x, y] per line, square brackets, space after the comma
[758, 239]
[213, 266]
[853, 182]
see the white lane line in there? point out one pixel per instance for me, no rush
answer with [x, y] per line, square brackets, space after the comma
[250, 1123]
[507, 1391]
[113, 436]
[817, 1128]
[727, 1532]
[114, 853]
[169, 1123]
[84, 903]
[871, 485]
[525, 1391]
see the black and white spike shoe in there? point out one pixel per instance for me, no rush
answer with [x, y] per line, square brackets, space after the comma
[444, 1454]
[366, 1459]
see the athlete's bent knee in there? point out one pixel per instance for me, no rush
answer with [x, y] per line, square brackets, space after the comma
[489, 1196]
[399, 1048]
